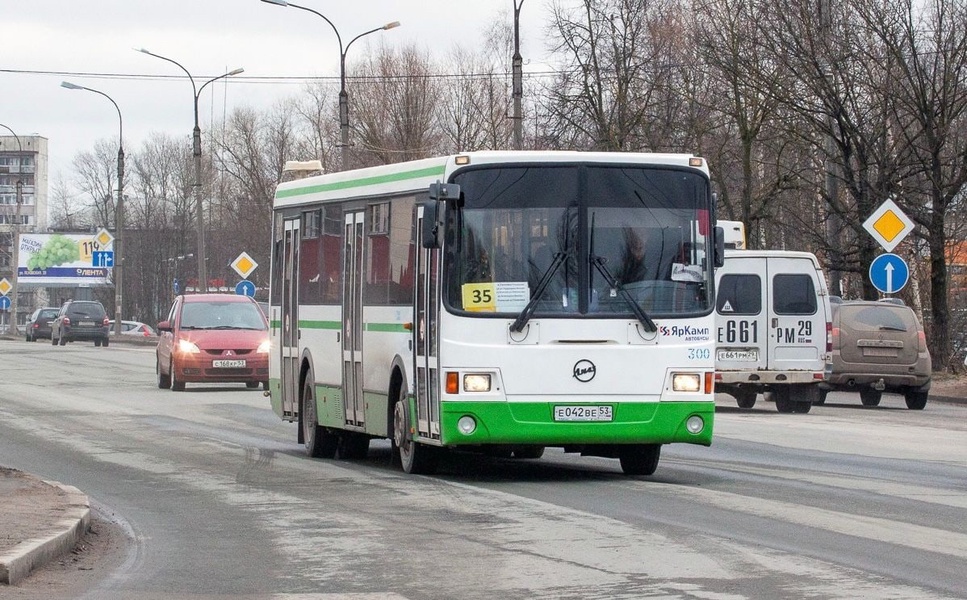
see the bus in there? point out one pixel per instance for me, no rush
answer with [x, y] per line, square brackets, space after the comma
[494, 302]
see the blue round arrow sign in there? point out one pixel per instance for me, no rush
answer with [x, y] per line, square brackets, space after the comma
[4, 303]
[245, 288]
[889, 273]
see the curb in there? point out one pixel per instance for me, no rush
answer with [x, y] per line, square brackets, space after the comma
[18, 563]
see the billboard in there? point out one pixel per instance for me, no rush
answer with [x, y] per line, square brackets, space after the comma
[55, 259]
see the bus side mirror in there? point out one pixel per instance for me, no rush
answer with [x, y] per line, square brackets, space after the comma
[719, 247]
[429, 226]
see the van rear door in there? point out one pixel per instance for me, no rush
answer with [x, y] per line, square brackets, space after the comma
[797, 317]
[742, 322]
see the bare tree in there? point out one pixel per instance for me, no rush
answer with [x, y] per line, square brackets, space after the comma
[395, 107]
[96, 176]
[619, 58]
[928, 44]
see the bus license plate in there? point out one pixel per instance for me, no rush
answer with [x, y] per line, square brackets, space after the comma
[739, 355]
[583, 413]
[229, 364]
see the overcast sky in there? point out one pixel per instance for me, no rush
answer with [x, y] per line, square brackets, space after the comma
[90, 42]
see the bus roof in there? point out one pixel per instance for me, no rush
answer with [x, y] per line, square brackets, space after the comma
[417, 175]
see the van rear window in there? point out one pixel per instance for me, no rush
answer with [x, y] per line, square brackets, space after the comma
[739, 295]
[793, 294]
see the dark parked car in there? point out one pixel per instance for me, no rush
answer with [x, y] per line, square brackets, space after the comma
[38, 325]
[878, 347]
[213, 338]
[80, 320]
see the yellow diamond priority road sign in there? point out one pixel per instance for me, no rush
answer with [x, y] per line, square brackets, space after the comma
[244, 265]
[888, 225]
[104, 239]
[5, 287]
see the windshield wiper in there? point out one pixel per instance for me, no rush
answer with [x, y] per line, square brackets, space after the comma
[525, 314]
[642, 316]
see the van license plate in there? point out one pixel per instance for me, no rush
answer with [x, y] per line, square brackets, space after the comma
[583, 413]
[739, 355]
[884, 352]
[230, 364]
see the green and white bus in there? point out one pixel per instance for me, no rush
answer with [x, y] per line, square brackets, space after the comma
[497, 302]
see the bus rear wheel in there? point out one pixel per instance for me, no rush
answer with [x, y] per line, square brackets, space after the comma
[639, 459]
[319, 441]
[414, 457]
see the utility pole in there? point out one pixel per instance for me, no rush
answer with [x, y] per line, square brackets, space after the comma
[517, 66]
[12, 327]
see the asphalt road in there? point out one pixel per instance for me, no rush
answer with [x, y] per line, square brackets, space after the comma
[217, 500]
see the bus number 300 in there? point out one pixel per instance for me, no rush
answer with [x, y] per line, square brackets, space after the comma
[742, 332]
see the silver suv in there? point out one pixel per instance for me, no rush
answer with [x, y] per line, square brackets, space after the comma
[878, 347]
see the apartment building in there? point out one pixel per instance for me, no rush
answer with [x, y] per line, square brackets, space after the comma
[23, 206]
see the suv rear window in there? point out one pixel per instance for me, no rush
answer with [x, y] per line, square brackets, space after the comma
[878, 318]
[93, 310]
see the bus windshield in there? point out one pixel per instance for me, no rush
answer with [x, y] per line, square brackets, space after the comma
[608, 240]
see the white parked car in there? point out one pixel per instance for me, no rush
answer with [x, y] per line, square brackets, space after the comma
[133, 328]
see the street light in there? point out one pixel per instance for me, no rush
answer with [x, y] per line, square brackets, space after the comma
[343, 94]
[196, 153]
[518, 78]
[119, 211]
[12, 327]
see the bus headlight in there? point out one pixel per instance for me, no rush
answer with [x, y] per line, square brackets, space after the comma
[686, 382]
[467, 425]
[476, 382]
[695, 424]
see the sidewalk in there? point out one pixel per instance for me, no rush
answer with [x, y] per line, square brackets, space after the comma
[39, 521]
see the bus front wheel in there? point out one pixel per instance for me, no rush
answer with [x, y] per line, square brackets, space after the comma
[415, 458]
[639, 459]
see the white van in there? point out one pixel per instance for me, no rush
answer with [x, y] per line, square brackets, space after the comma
[773, 328]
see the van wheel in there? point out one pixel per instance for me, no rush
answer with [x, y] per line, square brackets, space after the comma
[352, 446]
[802, 407]
[745, 398]
[415, 458]
[639, 459]
[821, 398]
[916, 400]
[870, 397]
[319, 441]
[530, 452]
[784, 401]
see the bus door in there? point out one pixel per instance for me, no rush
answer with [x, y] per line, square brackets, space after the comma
[352, 321]
[289, 346]
[426, 335]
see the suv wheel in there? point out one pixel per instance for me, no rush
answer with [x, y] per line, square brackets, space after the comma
[916, 400]
[870, 397]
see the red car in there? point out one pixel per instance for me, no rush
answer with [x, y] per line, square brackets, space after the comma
[213, 338]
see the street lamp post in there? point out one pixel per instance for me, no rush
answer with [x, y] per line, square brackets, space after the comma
[118, 212]
[196, 154]
[343, 94]
[517, 65]
[12, 327]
